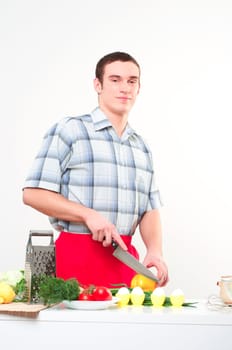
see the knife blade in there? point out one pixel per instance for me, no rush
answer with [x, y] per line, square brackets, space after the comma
[129, 260]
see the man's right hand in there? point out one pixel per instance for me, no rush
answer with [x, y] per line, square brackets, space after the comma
[102, 230]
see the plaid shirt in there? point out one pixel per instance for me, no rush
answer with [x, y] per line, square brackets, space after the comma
[84, 159]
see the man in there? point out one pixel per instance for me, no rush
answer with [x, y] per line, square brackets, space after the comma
[93, 177]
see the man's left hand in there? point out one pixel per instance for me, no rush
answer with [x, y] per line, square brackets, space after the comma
[161, 267]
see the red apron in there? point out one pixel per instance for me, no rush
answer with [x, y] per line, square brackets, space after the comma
[79, 256]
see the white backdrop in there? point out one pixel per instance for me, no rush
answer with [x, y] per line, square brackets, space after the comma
[48, 54]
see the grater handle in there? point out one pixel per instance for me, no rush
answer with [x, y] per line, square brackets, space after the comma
[40, 233]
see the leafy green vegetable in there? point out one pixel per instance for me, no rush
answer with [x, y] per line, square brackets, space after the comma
[72, 289]
[44, 288]
[20, 290]
[54, 290]
[12, 277]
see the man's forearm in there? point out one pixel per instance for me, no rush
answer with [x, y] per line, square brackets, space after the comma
[151, 232]
[54, 204]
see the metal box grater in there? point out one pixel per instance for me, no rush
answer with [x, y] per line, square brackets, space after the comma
[40, 261]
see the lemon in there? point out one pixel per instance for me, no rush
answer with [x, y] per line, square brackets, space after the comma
[7, 293]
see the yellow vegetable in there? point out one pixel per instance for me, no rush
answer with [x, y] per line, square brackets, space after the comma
[158, 297]
[143, 282]
[157, 300]
[177, 298]
[123, 296]
[7, 293]
[137, 296]
[123, 300]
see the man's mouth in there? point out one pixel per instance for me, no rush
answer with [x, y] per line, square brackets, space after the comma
[123, 99]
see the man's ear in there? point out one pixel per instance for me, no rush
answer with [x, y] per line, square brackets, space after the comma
[97, 85]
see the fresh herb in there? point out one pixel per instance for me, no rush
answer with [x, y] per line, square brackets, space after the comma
[72, 289]
[54, 290]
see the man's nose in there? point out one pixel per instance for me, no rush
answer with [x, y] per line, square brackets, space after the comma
[124, 86]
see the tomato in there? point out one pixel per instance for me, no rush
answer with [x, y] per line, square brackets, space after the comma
[93, 293]
[86, 295]
[101, 294]
[145, 283]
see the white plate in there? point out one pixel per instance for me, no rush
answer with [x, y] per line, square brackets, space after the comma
[89, 305]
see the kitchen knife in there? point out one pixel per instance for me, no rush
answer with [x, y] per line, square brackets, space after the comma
[129, 260]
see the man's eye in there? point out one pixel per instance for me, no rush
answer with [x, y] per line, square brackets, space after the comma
[115, 80]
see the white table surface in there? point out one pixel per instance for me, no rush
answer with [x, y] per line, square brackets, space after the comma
[128, 328]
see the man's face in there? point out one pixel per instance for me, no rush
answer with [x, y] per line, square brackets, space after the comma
[119, 88]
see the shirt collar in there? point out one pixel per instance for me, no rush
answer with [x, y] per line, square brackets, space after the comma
[101, 121]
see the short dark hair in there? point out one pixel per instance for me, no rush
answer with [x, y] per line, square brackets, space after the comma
[112, 57]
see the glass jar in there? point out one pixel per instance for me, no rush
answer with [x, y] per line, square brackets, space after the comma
[225, 285]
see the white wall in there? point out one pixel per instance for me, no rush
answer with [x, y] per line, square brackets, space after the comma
[48, 54]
